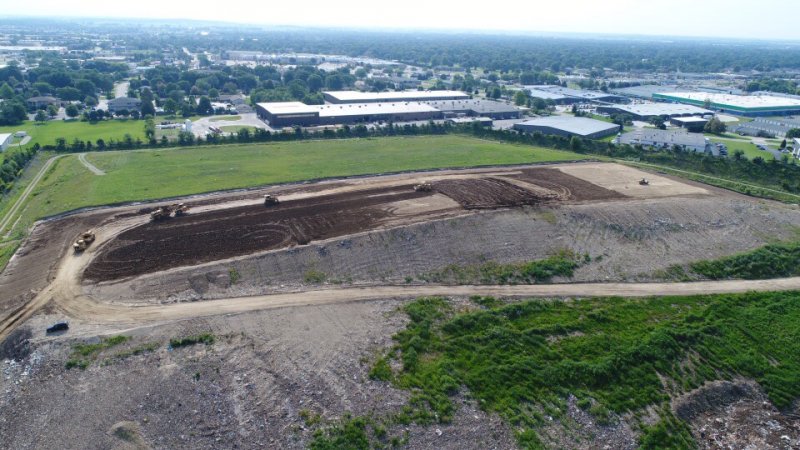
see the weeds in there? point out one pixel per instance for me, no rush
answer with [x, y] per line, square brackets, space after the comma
[205, 338]
[610, 352]
[314, 277]
[83, 355]
[562, 264]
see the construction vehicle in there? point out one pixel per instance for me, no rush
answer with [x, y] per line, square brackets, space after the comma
[161, 213]
[423, 187]
[644, 182]
[83, 241]
[180, 209]
[270, 200]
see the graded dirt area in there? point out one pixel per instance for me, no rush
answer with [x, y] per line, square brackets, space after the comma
[302, 296]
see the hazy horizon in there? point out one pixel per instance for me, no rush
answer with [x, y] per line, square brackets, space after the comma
[679, 18]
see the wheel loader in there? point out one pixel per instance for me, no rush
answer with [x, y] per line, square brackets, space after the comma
[644, 182]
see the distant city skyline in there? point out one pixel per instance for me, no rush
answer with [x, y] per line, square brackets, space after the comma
[766, 19]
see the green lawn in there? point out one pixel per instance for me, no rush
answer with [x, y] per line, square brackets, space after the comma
[48, 132]
[151, 174]
[749, 149]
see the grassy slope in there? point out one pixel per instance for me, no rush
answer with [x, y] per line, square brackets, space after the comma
[47, 133]
[138, 175]
[522, 360]
[749, 149]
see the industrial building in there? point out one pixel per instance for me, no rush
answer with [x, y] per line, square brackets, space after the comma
[666, 139]
[692, 124]
[646, 111]
[124, 104]
[746, 105]
[476, 107]
[777, 127]
[568, 126]
[340, 97]
[5, 140]
[566, 96]
[285, 114]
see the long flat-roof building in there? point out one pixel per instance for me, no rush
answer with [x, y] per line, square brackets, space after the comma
[646, 111]
[285, 114]
[339, 97]
[568, 126]
[666, 139]
[476, 107]
[747, 105]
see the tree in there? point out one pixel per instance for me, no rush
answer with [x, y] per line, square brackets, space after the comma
[783, 144]
[148, 109]
[52, 110]
[715, 126]
[41, 116]
[204, 107]
[6, 91]
[520, 98]
[314, 83]
[90, 101]
[793, 133]
[72, 111]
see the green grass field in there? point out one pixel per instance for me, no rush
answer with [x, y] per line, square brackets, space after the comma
[151, 174]
[749, 149]
[47, 133]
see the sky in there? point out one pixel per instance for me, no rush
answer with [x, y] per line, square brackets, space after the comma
[761, 19]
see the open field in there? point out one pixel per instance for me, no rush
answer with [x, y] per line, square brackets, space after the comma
[152, 174]
[47, 133]
[284, 312]
[237, 128]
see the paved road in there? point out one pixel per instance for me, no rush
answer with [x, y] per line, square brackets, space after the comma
[201, 127]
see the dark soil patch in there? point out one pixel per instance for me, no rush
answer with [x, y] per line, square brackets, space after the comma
[488, 193]
[572, 188]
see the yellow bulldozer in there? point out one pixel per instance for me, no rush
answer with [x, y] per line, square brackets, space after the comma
[270, 200]
[83, 241]
[423, 187]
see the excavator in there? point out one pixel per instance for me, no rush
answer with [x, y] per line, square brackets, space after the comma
[83, 241]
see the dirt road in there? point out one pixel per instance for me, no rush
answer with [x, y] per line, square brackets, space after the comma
[26, 193]
[94, 169]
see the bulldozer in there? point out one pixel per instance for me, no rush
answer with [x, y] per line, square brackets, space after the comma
[180, 209]
[270, 200]
[644, 182]
[83, 241]
[161, 213]
[423, 187]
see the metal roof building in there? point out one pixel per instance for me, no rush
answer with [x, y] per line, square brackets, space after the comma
[666, 139]
[477, 107]
[748, 105]
[338, 97]
[5, 140]
[282, 114]
[568, 126]
[646, 111]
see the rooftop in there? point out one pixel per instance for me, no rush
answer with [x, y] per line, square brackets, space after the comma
[649, 136]
[735, 101]
[349, 109]
[477, 105]
[582, 126]
[663, 109]
[354, 96]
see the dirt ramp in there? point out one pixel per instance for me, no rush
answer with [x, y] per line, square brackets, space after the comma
[489, 193]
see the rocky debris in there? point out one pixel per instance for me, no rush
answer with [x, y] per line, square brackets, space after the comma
[737, 415]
